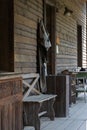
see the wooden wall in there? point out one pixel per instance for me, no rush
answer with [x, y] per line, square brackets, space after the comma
[26, 15]
[66, 30]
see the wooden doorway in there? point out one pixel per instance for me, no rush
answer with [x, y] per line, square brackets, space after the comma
[79, 45]
[49, 20]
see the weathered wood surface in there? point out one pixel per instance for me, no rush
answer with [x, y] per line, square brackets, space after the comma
[39, 98]
[59, 85]
[26, 15]
[32, 109]
[11, 103]
[66, 30]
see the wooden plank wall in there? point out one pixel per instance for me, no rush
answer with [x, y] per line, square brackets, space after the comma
[26, 15]
[66, 30]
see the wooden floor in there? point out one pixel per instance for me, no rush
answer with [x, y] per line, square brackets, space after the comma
[77, 119]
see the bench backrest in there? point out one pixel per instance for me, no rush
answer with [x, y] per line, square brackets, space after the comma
[30, 81]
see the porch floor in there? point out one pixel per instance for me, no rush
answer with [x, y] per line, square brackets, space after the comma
[77, 119]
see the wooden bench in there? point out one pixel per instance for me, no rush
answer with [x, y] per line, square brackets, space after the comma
[36, 105]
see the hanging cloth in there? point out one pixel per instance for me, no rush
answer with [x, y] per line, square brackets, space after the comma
[45, 36]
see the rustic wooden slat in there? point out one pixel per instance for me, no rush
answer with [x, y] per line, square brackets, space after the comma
[25, 64]
[8, 102]
[26, 29]
[25, 34]
[18, 121]
[25, 83]
[36, 3]
[5, 77]
[25, 21]
[10, 117]
[25, 70]
[11, 99]
[32, 75]
[22, 39]
[30, 46]
[4, 119]
[22, 11]
[24, 58]
[25, 52]
[13, 116]
[35, 6]
[0, 118]
[35, 9]
[20, 110]
[37, 13]
[31, 86]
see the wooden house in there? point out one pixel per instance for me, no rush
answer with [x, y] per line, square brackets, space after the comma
[19, 35]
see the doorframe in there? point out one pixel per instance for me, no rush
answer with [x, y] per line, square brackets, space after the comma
[53, 33]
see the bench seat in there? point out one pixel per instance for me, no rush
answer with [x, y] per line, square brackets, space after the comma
[39, 98]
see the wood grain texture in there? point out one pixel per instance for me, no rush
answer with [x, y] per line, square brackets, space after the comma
[10, 103]
[66, 30]
[26, 15]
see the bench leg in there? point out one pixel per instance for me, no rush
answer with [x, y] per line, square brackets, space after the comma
[32, 109]
[50, 109]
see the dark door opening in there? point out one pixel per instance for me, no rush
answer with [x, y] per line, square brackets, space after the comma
[6, 36]
[79, 45]
[49, 19]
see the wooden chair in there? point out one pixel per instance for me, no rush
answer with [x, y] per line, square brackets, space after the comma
[72, 89]
[81, 86]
